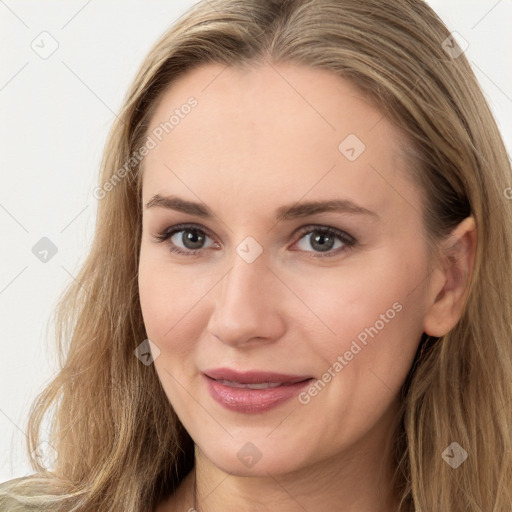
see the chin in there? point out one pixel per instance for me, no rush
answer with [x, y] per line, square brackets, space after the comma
[258, 458]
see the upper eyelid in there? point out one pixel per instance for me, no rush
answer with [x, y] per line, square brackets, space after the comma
[172, 230]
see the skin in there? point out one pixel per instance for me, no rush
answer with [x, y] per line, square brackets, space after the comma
[257, 140]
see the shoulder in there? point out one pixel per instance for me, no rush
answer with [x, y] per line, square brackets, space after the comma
[10, 491]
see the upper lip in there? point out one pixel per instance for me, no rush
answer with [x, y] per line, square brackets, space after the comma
[253, 376]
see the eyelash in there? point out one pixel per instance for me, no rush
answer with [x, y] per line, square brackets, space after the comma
[348, 241]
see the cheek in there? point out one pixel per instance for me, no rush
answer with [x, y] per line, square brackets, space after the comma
[370, 311]
[155, 303]
[380, 329]
[171, 304]
[342, 303]
[361, 368]
[164, 294]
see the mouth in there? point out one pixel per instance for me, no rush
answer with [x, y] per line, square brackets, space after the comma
[261, 385]
[237, 379]
[252, 391]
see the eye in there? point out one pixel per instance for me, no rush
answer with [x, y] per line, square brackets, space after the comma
[323, 239]
[190, 236]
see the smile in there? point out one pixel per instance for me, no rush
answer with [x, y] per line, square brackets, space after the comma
[252, 392]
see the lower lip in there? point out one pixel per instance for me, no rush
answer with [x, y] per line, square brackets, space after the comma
[252, 401]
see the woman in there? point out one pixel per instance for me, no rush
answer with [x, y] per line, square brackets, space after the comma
[299, 292]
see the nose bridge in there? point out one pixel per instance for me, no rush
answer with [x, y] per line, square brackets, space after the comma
[245, 305]
[242, 290]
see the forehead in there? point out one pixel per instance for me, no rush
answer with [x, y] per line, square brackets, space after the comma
[286, 130]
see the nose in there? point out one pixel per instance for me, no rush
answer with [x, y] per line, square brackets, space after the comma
[247, 306]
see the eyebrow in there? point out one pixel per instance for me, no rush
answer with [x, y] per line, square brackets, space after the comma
[287, 212]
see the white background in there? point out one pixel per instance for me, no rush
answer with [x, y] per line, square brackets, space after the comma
[54, 117]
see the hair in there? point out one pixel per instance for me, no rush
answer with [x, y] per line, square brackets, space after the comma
[119, 441]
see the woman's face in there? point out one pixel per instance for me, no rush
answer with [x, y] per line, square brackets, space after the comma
[262, 293]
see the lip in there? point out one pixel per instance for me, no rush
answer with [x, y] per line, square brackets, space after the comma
[252, 401]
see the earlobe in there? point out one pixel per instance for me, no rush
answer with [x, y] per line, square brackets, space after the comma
[450, 286]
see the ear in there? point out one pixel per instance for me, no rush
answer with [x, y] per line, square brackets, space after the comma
[450, 282]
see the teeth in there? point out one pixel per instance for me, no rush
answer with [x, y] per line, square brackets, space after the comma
[262, 385]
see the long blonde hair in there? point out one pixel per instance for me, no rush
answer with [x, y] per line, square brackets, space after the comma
[120, 444]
